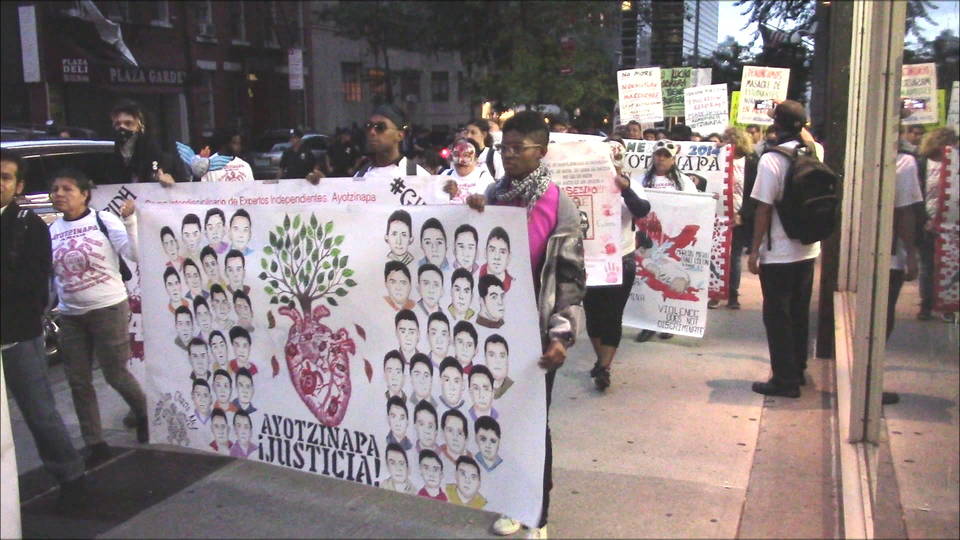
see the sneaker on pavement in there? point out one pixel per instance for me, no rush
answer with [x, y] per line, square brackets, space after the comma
[949, 317]
[644, 335]
[602, 379]
[538, 532]
[596, 369]
[890, 398]
[771, 389]
[665, 335]
[505, 526]
[130, 420]
[713, 303]
[733, 304]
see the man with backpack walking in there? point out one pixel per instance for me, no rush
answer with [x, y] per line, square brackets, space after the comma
[796, 207]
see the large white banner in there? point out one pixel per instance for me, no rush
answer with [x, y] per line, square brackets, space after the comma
[639, 94]
[715, 165]
[406, 360]
[673, 276]
[944, 179]
[918, 92]
[706, 108]
[759, 87]
[584, 171]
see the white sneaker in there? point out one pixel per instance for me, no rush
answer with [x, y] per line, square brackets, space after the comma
[540, 533]
[505, 526]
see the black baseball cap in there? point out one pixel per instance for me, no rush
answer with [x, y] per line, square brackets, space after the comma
[392, 112]
[296, 133]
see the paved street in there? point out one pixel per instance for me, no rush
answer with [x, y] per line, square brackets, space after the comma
[678, 447]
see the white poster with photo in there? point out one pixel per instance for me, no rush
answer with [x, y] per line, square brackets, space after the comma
[673, 276]
[640, 96]
[759, 88]
[584, 171]
[401, 361]
[714, 164]
[918, 93]
[706, 108]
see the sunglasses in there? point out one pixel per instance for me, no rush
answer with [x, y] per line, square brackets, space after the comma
[379, 127]
[514, 149]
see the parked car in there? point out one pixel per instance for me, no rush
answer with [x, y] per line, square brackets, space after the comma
[266, 160]
[42, 159]
[31, 132]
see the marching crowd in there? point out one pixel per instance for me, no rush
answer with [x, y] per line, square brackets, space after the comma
[41, 266]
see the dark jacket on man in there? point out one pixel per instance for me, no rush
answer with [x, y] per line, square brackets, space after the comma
[146, 151]
[26, 265]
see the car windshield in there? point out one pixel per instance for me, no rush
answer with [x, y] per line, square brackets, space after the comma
[280, 147]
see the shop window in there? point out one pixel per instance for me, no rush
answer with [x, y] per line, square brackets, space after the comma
[205, 107]
[378, 84]
[350, 75]
[238, 23]
[160, 13]
[440, 86]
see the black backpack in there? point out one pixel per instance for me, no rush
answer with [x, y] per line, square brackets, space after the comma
[125, 272]
[808, 208]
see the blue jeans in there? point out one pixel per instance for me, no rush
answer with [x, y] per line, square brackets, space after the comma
[740, 241]
[25, 370]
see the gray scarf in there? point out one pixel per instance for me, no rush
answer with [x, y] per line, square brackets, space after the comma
[528, 189]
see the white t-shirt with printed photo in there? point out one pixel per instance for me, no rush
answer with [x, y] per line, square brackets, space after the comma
[768, 188]
[907, 193]
[474, 183]
[237, 170]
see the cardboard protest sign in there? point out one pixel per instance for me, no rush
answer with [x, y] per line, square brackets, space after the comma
[640, 95]
[944, 180]
[953, 112]
[584, 171]
[670, 292]
[408, 363]
[918, 93]
[706, 108]
[759, 87]
[673, 81]
[714, 164]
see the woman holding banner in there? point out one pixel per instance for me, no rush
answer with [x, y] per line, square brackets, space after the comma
[604, 305]
[664, 174]
[88, 280]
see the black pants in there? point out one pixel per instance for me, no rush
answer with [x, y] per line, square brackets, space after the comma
[786, 316]
[740, 241]
[896, 282]
[927, 248]
[604, 306]
[548, 455]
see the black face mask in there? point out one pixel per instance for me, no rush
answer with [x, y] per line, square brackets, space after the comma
[122, 135]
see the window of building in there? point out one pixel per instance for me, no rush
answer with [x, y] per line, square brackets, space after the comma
[350, 75]
[378, 84]
[440, 86]
[238, 23]
[204, 12]
[205, 102]
[117, 11]
[271, 19]
[160, 13]
[410, 86]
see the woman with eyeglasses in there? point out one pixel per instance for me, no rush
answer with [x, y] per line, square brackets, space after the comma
[664, 174]
[466, 177]
[93, 302]
[604, 305]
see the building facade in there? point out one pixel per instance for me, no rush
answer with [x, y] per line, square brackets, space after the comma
[194, 66]
[349, 81]
[667, 33]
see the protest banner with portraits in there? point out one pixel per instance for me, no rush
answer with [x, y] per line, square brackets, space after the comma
[349, 330]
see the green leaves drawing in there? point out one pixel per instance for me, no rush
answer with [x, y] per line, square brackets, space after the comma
[304, 263]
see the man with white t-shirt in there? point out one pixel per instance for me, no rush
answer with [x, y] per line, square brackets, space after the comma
[785, 265]
[384, 132]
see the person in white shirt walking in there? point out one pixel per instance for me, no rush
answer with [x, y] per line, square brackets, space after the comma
[93, 302]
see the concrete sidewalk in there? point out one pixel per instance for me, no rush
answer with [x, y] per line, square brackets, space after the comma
[677, 447]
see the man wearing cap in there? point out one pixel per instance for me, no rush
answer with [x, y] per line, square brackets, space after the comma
[343, 155]
[384, 132]
[296, 162]
[785, 265]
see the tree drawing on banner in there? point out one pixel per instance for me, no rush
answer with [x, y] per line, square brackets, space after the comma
[305, 270]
